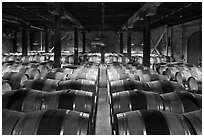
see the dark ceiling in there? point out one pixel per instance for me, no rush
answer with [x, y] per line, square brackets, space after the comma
[94, 16]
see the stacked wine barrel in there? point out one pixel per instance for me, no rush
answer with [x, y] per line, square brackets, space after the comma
[39, 99]
[109, 58]
[142, 101]
[154, 59]
[187, 74]
[37, 58]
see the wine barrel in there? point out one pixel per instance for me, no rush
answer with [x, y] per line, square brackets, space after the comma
[182, 76]
[47, 85]
[56, 76]
[195, 120]
[25, 59]
[49, 64]
[139, 60]
[122, 85]
[65, 71]
[81, 84]
[171, 73]
[84, 75]
[141, 72]
[32, 73]
[23, 100]
[9, 120]
[6, 86]
[151, 122]
[165, 86]
[195, 84]
[15, 78]
[122, 76]
[52, 122]
[181, 102]
[153, 77]
[77, 100]
[135, 100]
[160, 67]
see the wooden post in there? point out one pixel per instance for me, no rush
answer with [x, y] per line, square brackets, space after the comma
[41, 40]
[75, 46]
[57, 41]
[166, 39]
[129, 44]
[83, 42]
[31, 40]
[15, 42]
[28, 42]
[184, 51]
[121, 42]
[172, 44]
[24, 42]
[146, 41]
[46, 41]
[102, 48]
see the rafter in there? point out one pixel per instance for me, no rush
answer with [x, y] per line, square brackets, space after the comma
[147, 8]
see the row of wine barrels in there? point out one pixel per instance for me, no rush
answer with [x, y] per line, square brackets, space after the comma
[32, 100]
[165, 86]
[81, 84]
[50, 85]
[34, 58]
[45, 122]
[16, 79]
[83, 75]
[56, 76]
[65, 71]
[10, 58]
[181, 75]
[138, 100]
[67, 59]
[122, 85]
[22, 67]
[153, 77]
[154, 122]
[154, 86]
[114, 77]
[47, 85]
[153, 59]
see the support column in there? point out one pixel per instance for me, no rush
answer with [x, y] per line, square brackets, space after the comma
[57, 41]
[121, 42]
[146, 41]
[28, 37]
[15, 42]
[24, 42]
[31, 40]
[102, 48]
[75, 46]
[184, 51]
[129, 44]
[172, 44]
[41, 40]
[166, 38]
[46, 41]
[83, 42]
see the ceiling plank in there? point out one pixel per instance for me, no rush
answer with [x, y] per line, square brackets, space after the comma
[141, 12]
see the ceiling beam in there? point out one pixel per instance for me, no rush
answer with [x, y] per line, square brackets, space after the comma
[147, 9]
[34, 13]
[64, 13]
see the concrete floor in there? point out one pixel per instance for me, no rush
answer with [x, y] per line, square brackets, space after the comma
[103, 126]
